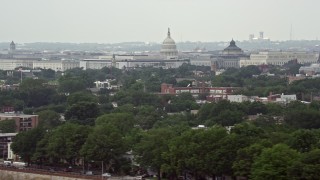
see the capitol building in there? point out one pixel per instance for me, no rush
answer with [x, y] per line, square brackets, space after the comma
[167, 58]
[169, 47]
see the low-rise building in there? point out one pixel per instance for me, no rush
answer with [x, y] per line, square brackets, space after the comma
[280, 58]
[132, 63]
[286, 98]
[5, 142]
[36, 63]
[237, 98]
[106, 85]
[56, 65]
[23, 122]
[277, 98]
[310, 70]
[217, 92]
[12, 64]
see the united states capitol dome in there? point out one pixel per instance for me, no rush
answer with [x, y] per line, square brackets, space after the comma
[169, 47]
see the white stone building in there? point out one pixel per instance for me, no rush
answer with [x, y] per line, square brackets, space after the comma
[237, 98]
[280, 58]
[286, 98]
[129, 63]
[11, 64]
[56, 65]
[310, 70]
[230, 57]
[168, 58]
[169, 47]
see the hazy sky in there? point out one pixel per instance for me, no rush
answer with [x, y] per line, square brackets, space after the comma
[109, 21]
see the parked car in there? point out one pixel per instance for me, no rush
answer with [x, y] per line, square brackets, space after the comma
[7, 163]
[51, 169]
[68, 169]
[89, 173]
[138, 177]
[106, 175]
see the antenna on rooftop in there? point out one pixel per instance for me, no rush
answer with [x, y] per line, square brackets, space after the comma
[291, 32]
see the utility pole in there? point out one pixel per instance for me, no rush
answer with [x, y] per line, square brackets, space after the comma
[20, 69]
[102, 170]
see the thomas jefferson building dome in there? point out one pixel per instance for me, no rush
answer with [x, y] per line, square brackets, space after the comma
[169, 47]
[232, 49]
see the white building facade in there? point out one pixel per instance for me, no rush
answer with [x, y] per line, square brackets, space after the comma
[56, 65]
[280, 58]
[11, 64]
[237, 98]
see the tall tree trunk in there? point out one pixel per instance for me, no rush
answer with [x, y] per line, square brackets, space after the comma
[159, 174]
[213, 177]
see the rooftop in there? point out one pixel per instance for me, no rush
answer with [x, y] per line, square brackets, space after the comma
[16, 115]
[7, 134]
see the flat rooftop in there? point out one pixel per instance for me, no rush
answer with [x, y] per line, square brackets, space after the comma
[7, 134]
[8, 115]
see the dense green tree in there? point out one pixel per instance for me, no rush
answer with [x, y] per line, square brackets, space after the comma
[183, 102]
[48, 119]
[248, 133]
[177, 120]
[274, 163]
[226, 118]
[311, 164]
[303, 118]
[24, 144]
[81, 97]
[147, 116]
[153, 144]
[303, 140]
[35, 93]
[124, 122]
[66, 140]
[245, 158]
[266, 121]
[48, 74]
[8, 126]
[184, 83]
[41, 154]
[83, 113]
[71, 85]
[274, 109]
[30, 84]
[257, 108]
[105, 144]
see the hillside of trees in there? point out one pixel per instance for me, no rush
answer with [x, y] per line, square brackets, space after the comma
[252, 140]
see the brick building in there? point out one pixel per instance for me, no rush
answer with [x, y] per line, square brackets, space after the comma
[23, 122]
[213, 93]
[5, 142]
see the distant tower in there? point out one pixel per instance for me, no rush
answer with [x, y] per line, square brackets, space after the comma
[251, 36]
[12, 49]
[114, 63]
[12, 46]
[261, 35]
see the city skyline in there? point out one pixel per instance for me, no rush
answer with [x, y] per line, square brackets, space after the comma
[113, 21]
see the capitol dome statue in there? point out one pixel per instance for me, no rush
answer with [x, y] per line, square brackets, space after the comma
[169, 47]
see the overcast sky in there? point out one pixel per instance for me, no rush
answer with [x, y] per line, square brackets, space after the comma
[109, 21]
